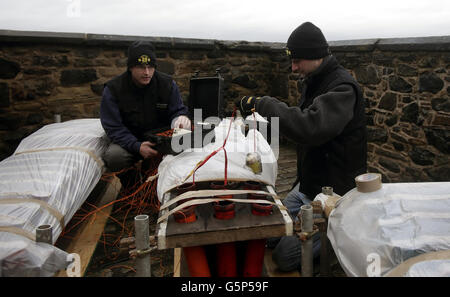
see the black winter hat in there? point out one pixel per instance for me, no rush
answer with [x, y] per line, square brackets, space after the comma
[307, 42]
[141, 53]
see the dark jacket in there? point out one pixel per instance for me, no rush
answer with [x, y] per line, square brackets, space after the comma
[329, 127]
[127, 111]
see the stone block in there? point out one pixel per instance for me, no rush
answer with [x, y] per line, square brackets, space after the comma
[97, 89]
[34, 118]
[410, 113]
[8, 69]
[11, 120]
[4, 95]
[85, 62]
[166, 67]
[421, 156]
[439, 174]
[389, 165]
[216, 53]
[367, 75]
[77, 77]
[430, 82]
[245, 81]
[37, 71]
[51, 61]
[398, 84]
[42, 86]
[406, 70]
[279, 86]
[390, 154]
[376, 134]
[441, 104]
[398, 146]
[439, 138]
[388, 101]
[391, 120]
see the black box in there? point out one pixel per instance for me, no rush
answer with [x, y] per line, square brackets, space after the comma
[206, 93]
[163, 143]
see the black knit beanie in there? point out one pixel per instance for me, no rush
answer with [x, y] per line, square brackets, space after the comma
[307, 42]
[141, 53]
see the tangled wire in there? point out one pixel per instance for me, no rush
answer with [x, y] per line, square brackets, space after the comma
[137, 195]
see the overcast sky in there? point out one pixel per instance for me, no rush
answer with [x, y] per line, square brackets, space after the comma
[248, 20]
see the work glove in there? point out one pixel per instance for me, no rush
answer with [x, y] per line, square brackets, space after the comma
[246, 104]
[181, 121]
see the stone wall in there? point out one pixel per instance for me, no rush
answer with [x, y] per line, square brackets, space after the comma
[405, 82]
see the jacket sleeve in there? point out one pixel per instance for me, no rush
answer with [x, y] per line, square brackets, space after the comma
[112, 123]
[176, 106]
[323, 120]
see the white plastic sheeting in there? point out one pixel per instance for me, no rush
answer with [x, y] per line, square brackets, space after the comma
[432, 268]
[372, 233]
[45, 181]
[173, 170]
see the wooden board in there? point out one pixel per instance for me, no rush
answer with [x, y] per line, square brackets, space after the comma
[87, 235]
[209, 230]
[403, 268]
[180, 268]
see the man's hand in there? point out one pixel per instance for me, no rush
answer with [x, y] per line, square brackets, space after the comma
[182, 122]
[246, 104]
[146, 150]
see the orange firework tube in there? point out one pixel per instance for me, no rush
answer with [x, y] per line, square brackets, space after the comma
[197, 261]
[226, 260]
[254, 258]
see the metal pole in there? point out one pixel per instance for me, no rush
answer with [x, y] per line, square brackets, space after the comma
[141, 225]
[44, 234]
[306, 213]
[324, 253]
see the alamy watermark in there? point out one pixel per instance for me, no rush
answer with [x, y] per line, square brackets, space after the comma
[374, 266]
[74, 268]
[73, 9]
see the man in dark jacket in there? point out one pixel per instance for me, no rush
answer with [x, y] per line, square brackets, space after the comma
[139, 100]
[328, 126]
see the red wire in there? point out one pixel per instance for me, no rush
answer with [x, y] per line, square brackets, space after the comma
[254, 134]
[226, 166]
[217, 150]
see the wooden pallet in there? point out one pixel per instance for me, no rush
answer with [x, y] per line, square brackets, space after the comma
[209, 230]
[83, 239]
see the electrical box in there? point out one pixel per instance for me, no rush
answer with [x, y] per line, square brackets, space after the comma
[206, 93]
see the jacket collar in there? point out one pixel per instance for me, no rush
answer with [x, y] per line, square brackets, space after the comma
[329, 63]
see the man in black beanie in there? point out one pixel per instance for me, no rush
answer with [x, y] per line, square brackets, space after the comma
[328, 126]
[139, 100]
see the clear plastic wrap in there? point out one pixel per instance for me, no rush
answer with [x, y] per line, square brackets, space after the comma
[45, 181]
[371, 233]
[432, 268]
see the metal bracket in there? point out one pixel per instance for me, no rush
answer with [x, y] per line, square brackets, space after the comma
[129, 243]
[303, 236]
[140, 253]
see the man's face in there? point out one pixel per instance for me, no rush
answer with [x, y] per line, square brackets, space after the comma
[142, 74]
[305, 67]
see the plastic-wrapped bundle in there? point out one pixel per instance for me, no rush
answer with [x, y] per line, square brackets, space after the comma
[173, 170]
[439, 268]
[371, 233]
[45, 182]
